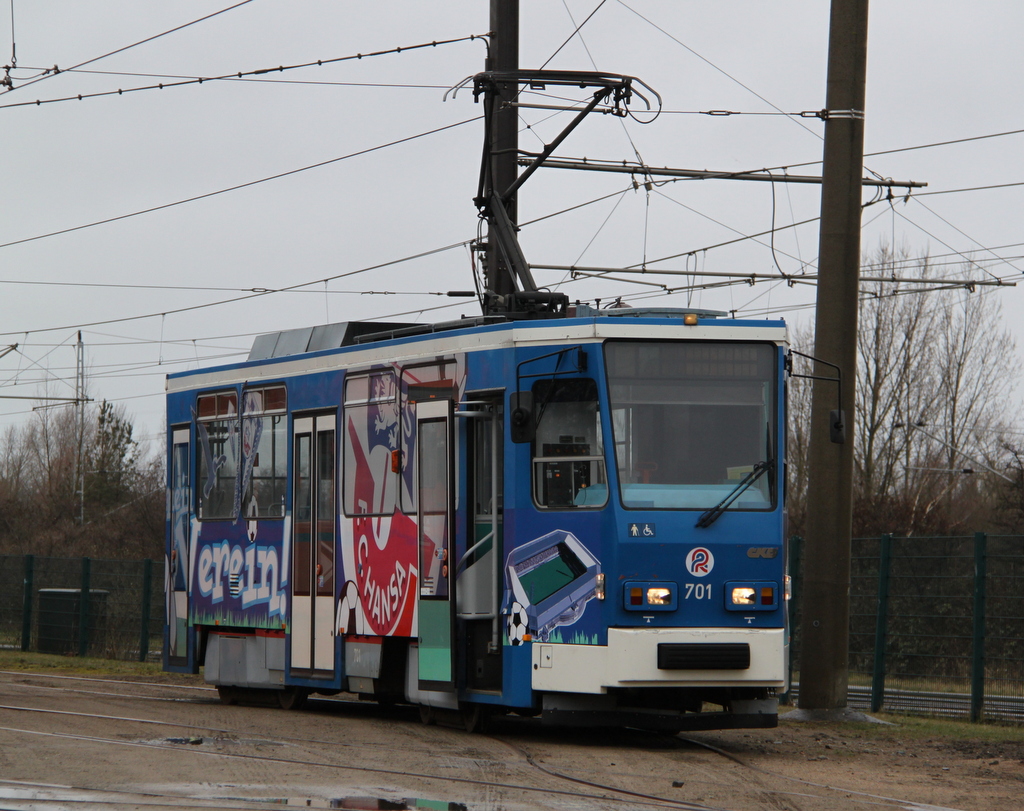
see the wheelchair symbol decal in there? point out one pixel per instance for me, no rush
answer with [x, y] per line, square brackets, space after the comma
[641, 531]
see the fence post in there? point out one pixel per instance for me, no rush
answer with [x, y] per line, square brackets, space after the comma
[147, 598]
[83, 609]
[978, 658]
[26, 605]
[881, 624]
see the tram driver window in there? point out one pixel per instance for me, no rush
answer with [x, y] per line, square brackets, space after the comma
[568, 451]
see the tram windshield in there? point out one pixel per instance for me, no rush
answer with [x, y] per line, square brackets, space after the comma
[691, 420]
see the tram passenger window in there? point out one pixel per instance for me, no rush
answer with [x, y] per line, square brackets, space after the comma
[302, 513]
[325, 513]
[370, 436]
[217, 426]
[264, 448]
[568, 452]
[420, 383]
[242, 464]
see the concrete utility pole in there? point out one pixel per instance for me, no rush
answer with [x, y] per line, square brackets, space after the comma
[504, 132]
[825, 629]
[80, 404]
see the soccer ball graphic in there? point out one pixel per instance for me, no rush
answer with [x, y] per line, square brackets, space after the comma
[517, 624]
[349, 618]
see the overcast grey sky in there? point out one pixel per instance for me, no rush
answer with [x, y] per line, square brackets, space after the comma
[166, 290]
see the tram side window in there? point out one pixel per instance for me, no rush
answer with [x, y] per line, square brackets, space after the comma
[302, 512]
[264, 449]
[568, 452]
[217, 425]
[242, 463]
[420, 383]
[371, 431]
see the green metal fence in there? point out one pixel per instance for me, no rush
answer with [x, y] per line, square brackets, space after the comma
[936, 625]
[80, 607]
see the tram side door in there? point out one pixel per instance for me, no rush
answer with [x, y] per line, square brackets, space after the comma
[478, 572]
[435, 489]
[179, 554]
[314, 522]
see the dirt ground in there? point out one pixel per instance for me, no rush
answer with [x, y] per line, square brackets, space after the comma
[127, 743]
[918, 761]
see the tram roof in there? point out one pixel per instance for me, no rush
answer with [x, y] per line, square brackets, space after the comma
[310, 349]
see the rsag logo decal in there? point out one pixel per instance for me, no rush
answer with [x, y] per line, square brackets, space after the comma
[700, 562]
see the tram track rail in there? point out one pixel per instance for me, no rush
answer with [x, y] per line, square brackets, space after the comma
[363, 769]
[922, 702]
[598, 792]
[628, 797]
[942, 704]
[19, 794]
[133, 683]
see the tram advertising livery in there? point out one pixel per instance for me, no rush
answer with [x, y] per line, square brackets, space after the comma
[569, 512]
[579, 517]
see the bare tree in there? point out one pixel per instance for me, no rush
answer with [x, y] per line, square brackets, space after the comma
[895, 377]
[14, 486]
[1009, 496]
[934, 378]
[52, 442]
[799, 431]
[44, 508]
[976, 373]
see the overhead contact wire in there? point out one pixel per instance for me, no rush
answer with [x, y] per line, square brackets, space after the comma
[257, 294]
[236, 76]
[238, 186]
[55, 71]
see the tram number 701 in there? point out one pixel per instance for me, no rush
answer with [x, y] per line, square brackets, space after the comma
[698, 591]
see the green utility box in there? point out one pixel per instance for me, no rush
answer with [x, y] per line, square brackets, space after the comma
[62, 619]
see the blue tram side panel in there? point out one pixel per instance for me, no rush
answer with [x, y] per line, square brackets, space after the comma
[580, 518]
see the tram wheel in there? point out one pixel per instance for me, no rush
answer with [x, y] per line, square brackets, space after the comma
[227, 694]
[473, 717]
[427, 715]
[292, 698]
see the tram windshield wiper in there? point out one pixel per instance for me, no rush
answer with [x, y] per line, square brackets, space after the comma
[708, 517]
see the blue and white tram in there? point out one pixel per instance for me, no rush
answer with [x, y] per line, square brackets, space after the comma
[581, 518]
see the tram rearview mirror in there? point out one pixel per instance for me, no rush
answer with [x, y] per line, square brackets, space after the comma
[837, 426]
[521, 422]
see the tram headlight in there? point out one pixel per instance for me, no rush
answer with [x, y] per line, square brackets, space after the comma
[648, 595]
[659, 595]
[743, 595]
[752, 596]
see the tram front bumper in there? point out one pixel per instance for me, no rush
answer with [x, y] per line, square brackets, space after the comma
[664, 657]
